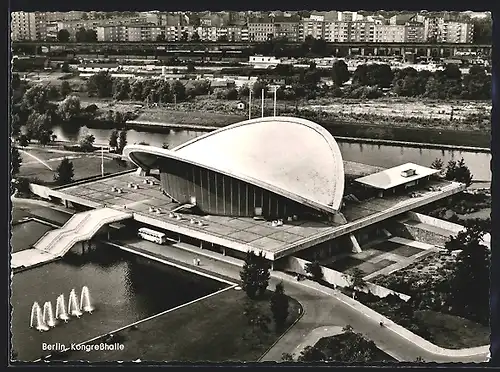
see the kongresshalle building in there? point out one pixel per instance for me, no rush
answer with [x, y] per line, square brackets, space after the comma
[276, 185]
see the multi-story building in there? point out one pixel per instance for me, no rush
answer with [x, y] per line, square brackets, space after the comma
[207, 33]
[260, 29]
[361, 31]
[389, 33]
[349, 16]
[414, 32]
[287, 28]
[455, 32]
[113, 33]
[313, 26]
[337, 32]
[23, 26]
[431, 29]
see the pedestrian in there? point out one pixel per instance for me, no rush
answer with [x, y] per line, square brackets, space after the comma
[198, 260]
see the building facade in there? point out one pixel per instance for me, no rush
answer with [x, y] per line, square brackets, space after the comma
[389, 33]
[414, 32]
[23, 26]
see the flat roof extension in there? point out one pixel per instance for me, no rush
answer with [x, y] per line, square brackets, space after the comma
[393, 177]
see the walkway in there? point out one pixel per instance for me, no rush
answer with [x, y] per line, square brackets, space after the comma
[56, 243]
[322, 307]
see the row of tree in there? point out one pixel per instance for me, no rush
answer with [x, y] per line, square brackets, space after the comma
[81, 36]
[454, 171]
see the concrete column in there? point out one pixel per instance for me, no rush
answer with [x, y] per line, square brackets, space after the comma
[455, 51]
[402, 51]
[65, 202]
[416, 51]
[441, 52]
[109, 235]
[272, 265]
[356, 248]
[223, 251]
[375, 51]
[201, 244]
[178, 238]
[350, 51]
[362, 51]
[428, 52]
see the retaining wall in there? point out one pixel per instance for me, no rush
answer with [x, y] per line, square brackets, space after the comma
[297, 265]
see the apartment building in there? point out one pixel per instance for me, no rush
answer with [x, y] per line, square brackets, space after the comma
[431, 29]
[260, 29]
[414, 32]
[23, 26]
[361, 31]
[337, 32]
[455, 32]
[313, 26]
[389, 33]
[115, 33]
[287, 27]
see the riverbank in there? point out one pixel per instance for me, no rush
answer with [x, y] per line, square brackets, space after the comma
[163, 126]
[470, 128]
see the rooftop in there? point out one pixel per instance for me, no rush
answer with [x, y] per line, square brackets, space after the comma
[240, 233]
[393, 177]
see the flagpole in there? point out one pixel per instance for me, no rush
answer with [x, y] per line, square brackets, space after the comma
[102, 161]
[249, 104]
[262, 107]
[274, 107]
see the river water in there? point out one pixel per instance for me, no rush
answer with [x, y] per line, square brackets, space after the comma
[378, 155]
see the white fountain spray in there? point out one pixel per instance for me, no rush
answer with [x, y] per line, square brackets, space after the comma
[85, 300]
[73, 308]
[61, 309]
[36, 320]
[48, 314]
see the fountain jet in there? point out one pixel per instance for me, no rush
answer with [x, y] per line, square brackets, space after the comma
[73, 308]
[48, 314]
[85, 300]
[61, 309]
[36, 320]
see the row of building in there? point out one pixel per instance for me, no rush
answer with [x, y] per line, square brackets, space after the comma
[340, 27]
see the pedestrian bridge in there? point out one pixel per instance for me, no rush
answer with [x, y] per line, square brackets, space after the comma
[56, 243]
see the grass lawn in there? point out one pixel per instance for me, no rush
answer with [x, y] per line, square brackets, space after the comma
[454, 332]
[214, 329]
[84, 165]
[189, 117]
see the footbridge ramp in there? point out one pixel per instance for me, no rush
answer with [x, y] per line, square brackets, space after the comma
[56, 243]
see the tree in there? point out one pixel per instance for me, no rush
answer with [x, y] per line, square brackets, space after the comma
[36, 99]
[470, 283]
[286, 357]
[254, 274]
[81, 35]
[70, 108]
[179, 90]
[15, 160]
[458, 172]
[311, 354]
[15, 124]
[279, 306]
[121, 90]
[65, 89]
[160, 37]
[100, 84]
[63, 36]
[136, 91]
[23, 140]
[257, 88]
[340, 73]
[315, 270]
[113, 139]
[122, 141]
[64, 172]
[357, 279]
[243, 91]
[437, 164]
[87, 142]
[190, 67]
[65, 67]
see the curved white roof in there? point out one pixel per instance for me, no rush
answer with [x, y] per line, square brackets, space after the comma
[292, 157]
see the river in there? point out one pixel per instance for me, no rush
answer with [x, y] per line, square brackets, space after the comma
[379, 155]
